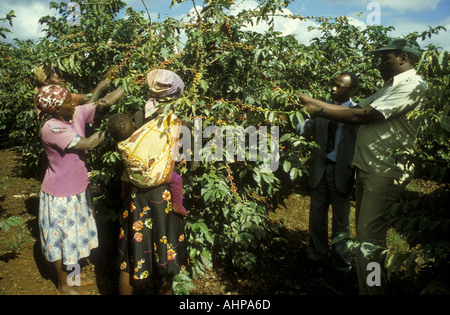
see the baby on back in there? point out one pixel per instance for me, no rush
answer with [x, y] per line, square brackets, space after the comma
[122, 129]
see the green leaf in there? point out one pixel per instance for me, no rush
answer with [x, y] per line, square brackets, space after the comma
[164, 53]
[204, 85]
[286, 166]
[445, 122]
[341, 237]
[395, 261]
[293, 173]
[368, 249]
[10, 222]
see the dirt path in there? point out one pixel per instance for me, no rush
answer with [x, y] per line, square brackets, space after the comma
[19, 271]
[281, 264]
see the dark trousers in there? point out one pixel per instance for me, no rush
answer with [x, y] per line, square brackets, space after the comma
[374, 195]
[322, 196]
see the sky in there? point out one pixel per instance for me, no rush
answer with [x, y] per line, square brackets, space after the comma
[405, 15]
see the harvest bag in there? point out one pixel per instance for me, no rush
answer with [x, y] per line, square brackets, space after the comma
[149, 153]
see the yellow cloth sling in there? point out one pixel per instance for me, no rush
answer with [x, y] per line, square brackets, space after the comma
[149, 153]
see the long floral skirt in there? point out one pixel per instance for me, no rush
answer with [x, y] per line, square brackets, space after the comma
[68, 231]
[152, 242]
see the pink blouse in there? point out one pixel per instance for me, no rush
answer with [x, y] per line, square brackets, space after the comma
[66, 173]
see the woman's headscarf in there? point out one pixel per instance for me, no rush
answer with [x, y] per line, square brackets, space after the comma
[50, 97]
[164, 86]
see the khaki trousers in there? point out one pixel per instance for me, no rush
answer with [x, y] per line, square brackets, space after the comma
[374, 195]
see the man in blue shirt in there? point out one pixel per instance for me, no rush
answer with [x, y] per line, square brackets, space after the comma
[331, 177]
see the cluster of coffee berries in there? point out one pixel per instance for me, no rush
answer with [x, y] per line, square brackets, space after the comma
[231, 180]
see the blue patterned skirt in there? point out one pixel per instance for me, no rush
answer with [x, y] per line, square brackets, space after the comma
[68, 230]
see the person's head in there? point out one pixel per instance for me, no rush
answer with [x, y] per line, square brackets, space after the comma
[398, 56]
[344, 86]
[164, 86]
[120, 127]
[55, 100]
[56, 77]
[48, 75]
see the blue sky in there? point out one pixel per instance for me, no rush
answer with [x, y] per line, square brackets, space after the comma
[405, 15]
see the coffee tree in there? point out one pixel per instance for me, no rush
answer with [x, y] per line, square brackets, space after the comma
[235, 78]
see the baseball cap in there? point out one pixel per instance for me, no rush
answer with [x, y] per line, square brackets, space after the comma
[404, 44]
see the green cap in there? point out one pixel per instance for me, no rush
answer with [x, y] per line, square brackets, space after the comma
[404, 44]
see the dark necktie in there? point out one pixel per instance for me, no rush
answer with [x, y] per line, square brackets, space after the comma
[332, 126]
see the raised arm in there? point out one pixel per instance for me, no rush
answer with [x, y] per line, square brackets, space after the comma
[109, 99]
[94, 140]
[95, 94]
[90, 142]
[102, 86]
[355, 115]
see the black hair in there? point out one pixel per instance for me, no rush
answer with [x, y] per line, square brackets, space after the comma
[118, 126]
[353, 77]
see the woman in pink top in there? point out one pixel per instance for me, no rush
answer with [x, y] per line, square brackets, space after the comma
[67, 227]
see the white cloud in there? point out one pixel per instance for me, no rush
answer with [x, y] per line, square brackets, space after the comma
[26, 23]
[355, 22]
[406, 26]
[28, 13]
[402, 26]
[281, 24]
[400, 6]
[299, 29]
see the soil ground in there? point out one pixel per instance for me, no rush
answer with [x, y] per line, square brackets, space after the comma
[282, 267]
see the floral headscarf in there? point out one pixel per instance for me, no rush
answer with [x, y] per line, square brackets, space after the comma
[50, 97]
[164, 86]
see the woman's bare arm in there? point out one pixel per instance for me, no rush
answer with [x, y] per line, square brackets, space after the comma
[90, 142]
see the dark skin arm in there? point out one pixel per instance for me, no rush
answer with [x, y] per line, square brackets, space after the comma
[101, 87]
[354, 116]
[95, 94]
[94, 140]
[109, 99]
[90, 142]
